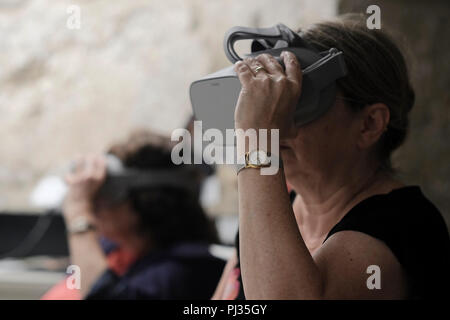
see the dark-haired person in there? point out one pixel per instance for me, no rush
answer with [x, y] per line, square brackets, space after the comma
[163, 229]
[350, 220]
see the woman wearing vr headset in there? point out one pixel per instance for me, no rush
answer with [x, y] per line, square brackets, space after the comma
[349, 229]
[161, 231]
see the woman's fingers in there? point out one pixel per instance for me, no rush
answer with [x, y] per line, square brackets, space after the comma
[87, 168]
[100, 167]
[273, 92]
[258, 69]
[75, 168]
[95, 168]
[293, 70]
[270, 64]
[244, 73]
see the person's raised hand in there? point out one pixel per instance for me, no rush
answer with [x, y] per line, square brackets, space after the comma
[269, 94]
[84, 180]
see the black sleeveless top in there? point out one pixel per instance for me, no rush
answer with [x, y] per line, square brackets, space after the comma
[413, 229]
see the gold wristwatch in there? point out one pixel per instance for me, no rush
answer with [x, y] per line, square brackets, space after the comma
[255, 159]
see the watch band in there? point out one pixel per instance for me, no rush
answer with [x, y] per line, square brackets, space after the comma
[239, 167]
[81, 225]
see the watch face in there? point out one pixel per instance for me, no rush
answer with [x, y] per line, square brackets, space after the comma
[258, 157]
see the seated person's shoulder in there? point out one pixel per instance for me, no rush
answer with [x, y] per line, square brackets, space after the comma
[180, 273]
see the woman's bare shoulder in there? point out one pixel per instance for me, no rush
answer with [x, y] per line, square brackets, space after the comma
[358, 266]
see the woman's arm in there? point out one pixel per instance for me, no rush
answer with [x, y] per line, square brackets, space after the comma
[85, 250]
[275, 262]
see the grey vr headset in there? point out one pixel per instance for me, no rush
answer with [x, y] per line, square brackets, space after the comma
[121, 180]
[214, 97]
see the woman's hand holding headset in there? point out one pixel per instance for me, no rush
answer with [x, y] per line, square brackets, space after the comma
[269, 94]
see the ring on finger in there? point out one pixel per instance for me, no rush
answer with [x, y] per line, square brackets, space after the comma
[259, 68]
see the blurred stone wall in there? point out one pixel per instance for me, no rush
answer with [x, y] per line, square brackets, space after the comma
[69, 91]
[422, 30]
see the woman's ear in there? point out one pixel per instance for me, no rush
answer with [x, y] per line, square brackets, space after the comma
[374, 122]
